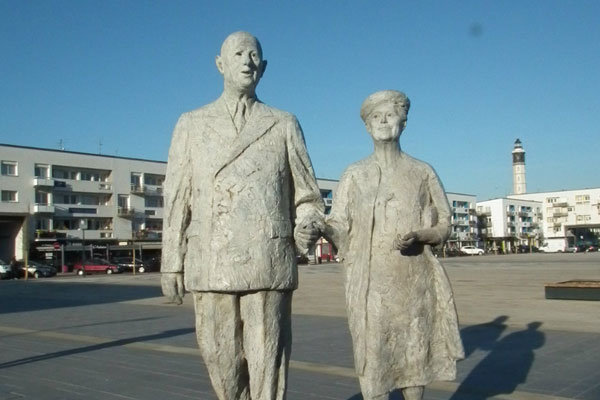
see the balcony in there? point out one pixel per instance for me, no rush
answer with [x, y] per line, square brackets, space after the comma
[460, 222]
[82, 186]
[37, 182]
[328, 202]
[510, 213]
[126, 212]
[560, 203]
[560, 214]
[43, 208]
[485, 211]
[151, 190]
[524, 213]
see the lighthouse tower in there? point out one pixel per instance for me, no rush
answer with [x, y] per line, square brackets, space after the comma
[518, 156]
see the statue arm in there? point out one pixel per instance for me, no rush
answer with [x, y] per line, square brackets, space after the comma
[177, 196]
[308, 204]
[337, 223]
[437, 218]
[440, 213]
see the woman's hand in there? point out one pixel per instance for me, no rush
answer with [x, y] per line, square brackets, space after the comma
[406, 241]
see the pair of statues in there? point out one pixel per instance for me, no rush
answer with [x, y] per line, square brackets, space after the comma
[241, 200]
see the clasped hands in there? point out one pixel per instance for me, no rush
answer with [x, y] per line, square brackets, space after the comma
[306, 234]
[412, 243]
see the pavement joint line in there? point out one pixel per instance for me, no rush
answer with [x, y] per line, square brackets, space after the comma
[298, 365]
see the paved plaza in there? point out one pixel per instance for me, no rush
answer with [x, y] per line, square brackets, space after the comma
[115, 337]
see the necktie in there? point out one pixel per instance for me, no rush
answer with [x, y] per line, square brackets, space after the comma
[240, 116]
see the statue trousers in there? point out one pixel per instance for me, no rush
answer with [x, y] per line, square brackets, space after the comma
[245, 340]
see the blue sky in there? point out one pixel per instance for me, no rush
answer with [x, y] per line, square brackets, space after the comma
[479, 75]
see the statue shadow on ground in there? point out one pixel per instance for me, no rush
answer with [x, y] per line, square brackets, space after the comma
[503, 369]
[99, 346]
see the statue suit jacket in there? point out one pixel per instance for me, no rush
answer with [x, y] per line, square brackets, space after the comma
[232, 200]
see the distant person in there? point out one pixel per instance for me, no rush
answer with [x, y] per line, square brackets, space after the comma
[388, 211]
[240, 197]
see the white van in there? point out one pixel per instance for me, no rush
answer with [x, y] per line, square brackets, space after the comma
[553, 246]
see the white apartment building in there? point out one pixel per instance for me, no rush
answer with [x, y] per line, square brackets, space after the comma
[464, 220]
[65, 197]
[570, 217]
[506, 223]
[57, 198]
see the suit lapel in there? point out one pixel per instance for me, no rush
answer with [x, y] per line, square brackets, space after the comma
[259, 123]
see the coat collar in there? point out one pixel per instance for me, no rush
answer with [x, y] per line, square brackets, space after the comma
[219, 120]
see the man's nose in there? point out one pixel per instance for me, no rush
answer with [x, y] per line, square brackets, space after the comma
[383, 119]
[247, 59]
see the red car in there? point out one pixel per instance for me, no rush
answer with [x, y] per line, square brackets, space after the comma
[95, 266]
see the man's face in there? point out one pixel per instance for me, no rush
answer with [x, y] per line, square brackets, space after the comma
[386, 122]
[241, 63]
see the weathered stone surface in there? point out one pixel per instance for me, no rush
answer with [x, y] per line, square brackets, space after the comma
[240, 200]
[388, 211]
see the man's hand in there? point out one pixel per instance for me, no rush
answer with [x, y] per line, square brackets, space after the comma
[172, 286]
[306, 235]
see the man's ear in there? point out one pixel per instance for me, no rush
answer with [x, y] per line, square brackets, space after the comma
[219, 63]
[264, 67]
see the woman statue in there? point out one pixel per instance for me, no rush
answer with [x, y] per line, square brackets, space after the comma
[388, 211]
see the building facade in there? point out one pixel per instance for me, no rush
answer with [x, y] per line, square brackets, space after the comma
[66, 197]
[569, 217]
[506, 223]
[69, 199]
[463, 220]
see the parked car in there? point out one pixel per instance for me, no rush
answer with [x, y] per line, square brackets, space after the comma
[5, 270]
[571, 249]
[586, 248]
[528, 249]
[35, 269]
[472, 250]
[126, 264]
[95, 266]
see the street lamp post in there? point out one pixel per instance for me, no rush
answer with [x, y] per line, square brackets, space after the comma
[83, 226]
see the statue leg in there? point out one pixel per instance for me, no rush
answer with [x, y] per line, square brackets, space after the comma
[219, 335]
[413, 393]
[267, 341]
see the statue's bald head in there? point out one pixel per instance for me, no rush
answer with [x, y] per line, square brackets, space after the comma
[241, 63]
[240, 37]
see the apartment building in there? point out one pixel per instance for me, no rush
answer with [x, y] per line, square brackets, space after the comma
[506, 223]
[464, 220]
[570, 217]
[54, 198]
[67, 197]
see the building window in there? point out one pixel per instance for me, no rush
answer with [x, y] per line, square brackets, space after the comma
[9, 168]
[154, 201]
[584, 218]
[10, 196]
[42, 224]
[90, 176]
[73, 210]
[41, 171]
[42, 198]
[582, 199]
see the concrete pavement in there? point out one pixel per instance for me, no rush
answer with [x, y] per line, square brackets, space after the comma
[113, 337]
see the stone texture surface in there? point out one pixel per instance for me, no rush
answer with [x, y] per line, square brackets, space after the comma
[241, 199]
[388, 210]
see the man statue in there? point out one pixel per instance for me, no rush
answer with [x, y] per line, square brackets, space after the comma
[240, 199]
